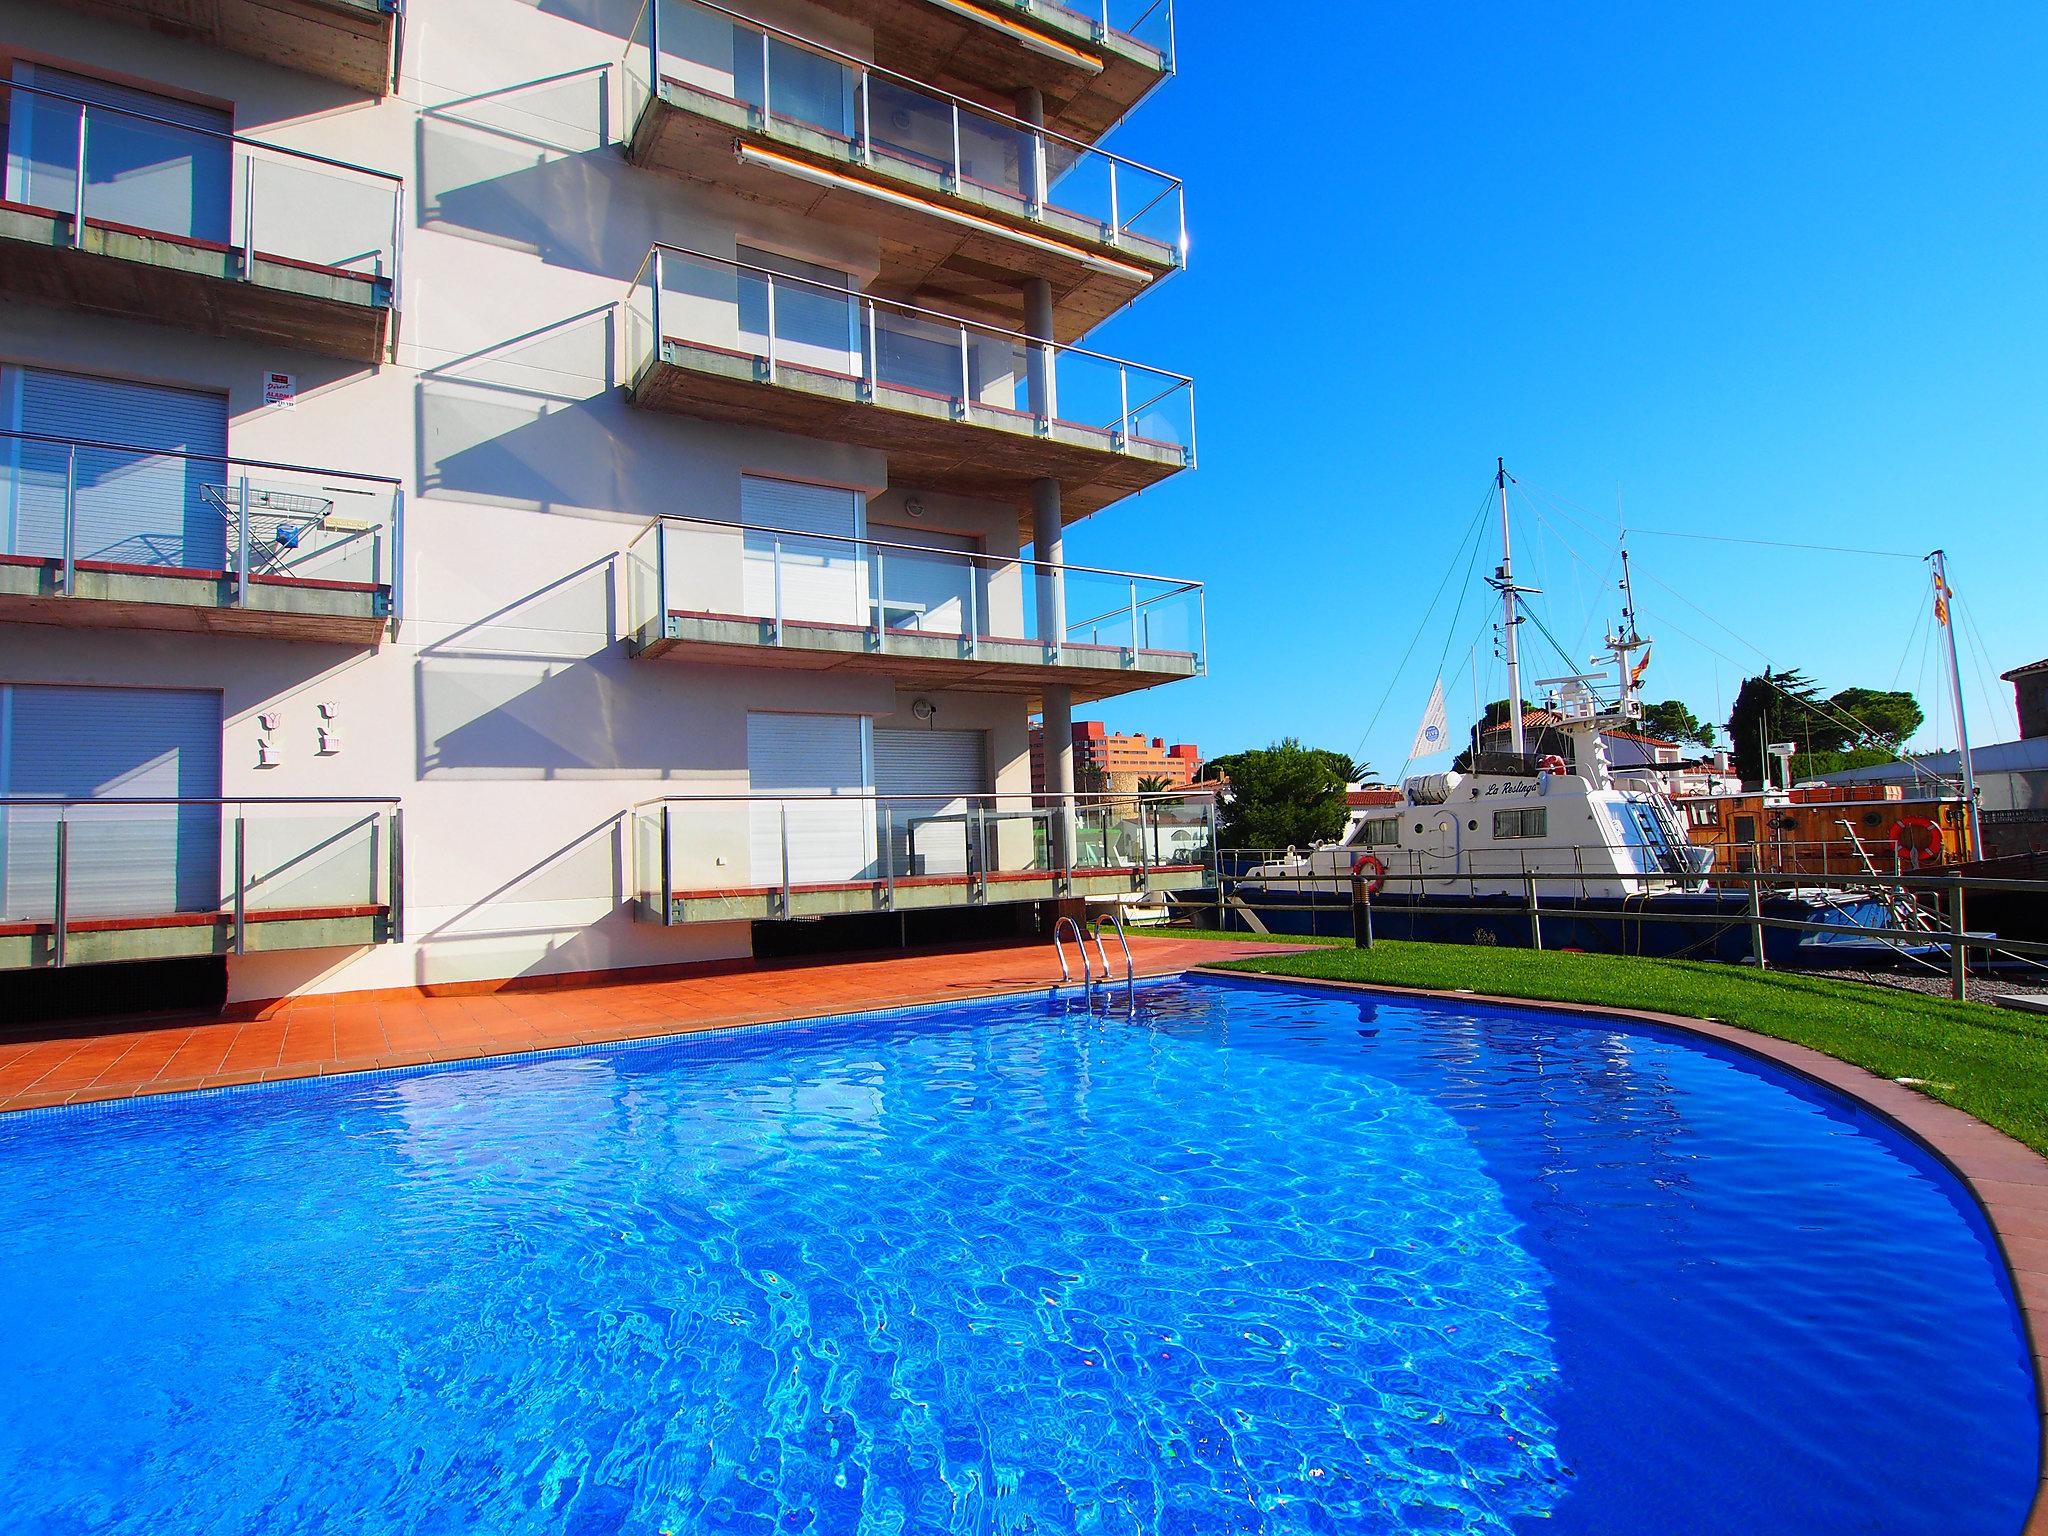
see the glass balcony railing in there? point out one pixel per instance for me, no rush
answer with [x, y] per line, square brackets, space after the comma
[1148, 23]
[260, 873]
[76, 504]
[692, 308]
[910, 598]
[703, 858]
[888, 123]
[257, 203]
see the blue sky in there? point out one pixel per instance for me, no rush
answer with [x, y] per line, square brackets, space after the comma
[1767, 271]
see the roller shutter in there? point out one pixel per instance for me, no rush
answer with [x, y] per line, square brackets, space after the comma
[803, 756]
[158, 176]
[926, 779]
[133, 508]
[101, 743]
[823, 576]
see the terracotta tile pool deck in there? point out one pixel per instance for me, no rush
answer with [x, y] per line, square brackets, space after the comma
[68, 1063]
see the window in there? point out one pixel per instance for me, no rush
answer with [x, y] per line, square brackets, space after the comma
[1383, 833]
[1530, 823]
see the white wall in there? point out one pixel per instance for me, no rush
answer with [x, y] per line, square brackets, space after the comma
[506, 715]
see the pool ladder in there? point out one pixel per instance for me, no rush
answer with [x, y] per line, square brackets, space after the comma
[1090, 980]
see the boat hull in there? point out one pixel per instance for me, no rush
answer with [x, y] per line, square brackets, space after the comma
[1716, 925]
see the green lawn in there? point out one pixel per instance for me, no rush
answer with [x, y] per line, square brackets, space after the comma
[1990, 1062]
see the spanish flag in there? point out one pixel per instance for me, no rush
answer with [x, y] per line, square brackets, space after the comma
[1942, 594]
[1636, 676]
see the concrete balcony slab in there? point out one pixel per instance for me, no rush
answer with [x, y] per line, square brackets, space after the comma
[185, 935]
[112, 596]
[133, 274]
[962, 245]
[941, 443]
[349, 41]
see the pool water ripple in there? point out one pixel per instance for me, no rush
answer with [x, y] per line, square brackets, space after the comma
[1259, 1260]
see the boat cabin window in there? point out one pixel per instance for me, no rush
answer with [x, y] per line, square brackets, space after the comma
[1382, 833]
[1745, 829]
[1529, 823]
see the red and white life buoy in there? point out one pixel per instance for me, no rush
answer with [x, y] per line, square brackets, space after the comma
[1550, 762]
[1371, 871]
[1917, 840]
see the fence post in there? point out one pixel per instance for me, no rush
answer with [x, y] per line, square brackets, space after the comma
[396, 924]
[1535, 912]
[78, 198]
[668, 888]
[59, 924]
[242, 542]
[249, 218]
[71, 521]
[1958, 953]
[241, 882]
[889, 854]
[782, 811]
[1756, 917]
[775, 551]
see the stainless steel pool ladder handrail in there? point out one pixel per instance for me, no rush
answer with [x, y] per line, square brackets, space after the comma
[1114, 917]
[1059, 948]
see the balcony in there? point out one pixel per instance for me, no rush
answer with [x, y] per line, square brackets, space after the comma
[183, 226]
[770, 858]
[965, 203]
[956, 405]
[90, 882]
[103, 536]
[1093, 65]
[353, 42]
[724, 592]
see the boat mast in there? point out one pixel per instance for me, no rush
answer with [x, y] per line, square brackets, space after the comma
[1944, 611]
[1517, 741]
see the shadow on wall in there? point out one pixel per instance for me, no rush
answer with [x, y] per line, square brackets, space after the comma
[618, 18]
[542, 689]
[535, 168]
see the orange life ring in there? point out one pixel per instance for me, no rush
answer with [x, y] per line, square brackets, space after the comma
[1550, 762]
[1373, 871]
[1917, 840]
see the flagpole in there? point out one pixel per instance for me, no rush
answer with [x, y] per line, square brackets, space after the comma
[1944, 610]
[1517, 741]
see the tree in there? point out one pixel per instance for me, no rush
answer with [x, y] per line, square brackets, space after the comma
[1673, 720]
[1285, 795]
[1788, 706]
[1153, 784]
[1879, 717]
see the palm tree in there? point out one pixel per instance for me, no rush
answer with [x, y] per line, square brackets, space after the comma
[1153, 784]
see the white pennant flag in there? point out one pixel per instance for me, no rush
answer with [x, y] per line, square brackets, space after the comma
[1433, 735]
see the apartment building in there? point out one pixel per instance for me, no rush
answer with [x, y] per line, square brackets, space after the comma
[1121, 761]
[498, 489]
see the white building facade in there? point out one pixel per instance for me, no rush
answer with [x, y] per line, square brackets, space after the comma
[508, 490]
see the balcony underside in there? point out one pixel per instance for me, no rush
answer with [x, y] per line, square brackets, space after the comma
[988, 451]
[965, 249]
[186, 935]
[923, 893]
[135, 275]
[917, 660]
[349, 41]
[113, 596]
[989, 51]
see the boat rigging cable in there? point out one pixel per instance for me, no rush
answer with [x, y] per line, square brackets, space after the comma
[1826, 709]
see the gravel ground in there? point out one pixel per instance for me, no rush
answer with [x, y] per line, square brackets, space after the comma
[1982, 988]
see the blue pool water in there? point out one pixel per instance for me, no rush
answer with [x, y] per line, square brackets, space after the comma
[1262, 1260]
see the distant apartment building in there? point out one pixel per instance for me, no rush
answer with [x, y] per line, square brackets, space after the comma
[499, 490]
[1107, 760]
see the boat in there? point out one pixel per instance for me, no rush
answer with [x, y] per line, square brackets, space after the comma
[1518, 842]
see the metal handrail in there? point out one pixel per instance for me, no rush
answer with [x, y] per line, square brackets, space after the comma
[1086, 800]
[204, 458]
[866, 66]
[210, 133]
[64, 800]
[1059, 948]
[955, 321]
[1115, 917]
[1180, 584]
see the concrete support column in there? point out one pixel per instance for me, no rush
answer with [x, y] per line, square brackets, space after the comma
[1031, 109]
[1048, 544]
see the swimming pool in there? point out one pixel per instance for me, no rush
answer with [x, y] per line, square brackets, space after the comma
[1263, 1259]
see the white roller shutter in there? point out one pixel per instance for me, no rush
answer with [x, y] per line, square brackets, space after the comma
[133, 508]
[808, 756]
[927, 779]
[156, 176]
[102, 743]
[823, 577]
